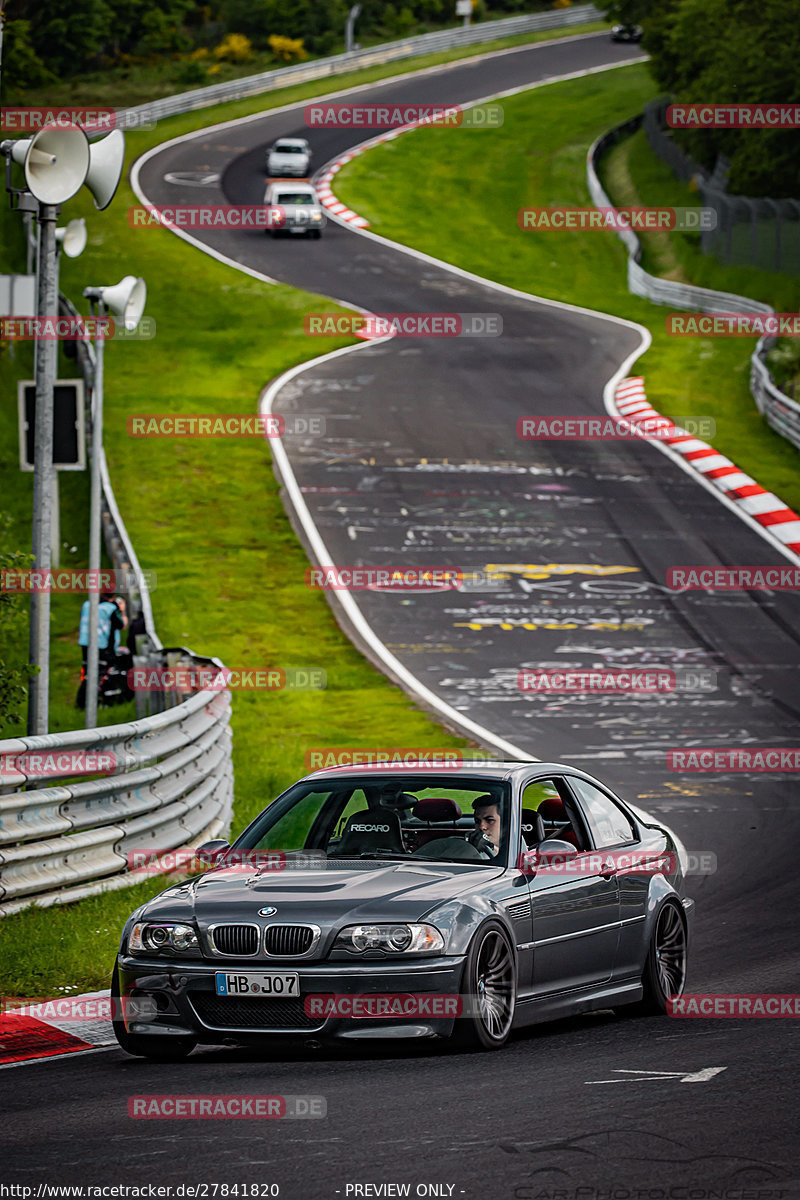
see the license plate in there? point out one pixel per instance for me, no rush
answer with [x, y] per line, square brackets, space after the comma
[240, 983]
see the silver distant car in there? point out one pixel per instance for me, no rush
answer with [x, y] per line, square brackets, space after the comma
[411, 902]
[289, 157]
[296, 208]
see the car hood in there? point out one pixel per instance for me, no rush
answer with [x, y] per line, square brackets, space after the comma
[325, 897]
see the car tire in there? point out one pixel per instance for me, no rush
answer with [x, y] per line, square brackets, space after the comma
[316, 234]
[489, 989]
[664, 972]
[162, 1049]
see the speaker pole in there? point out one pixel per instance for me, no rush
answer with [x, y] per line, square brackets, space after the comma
[92, 652]
[55, 514]
[46, 363]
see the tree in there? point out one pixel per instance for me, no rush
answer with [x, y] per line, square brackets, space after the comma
[22, 67]
[725, 51]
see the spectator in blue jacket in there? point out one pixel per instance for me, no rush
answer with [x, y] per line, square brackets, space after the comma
[111, 620]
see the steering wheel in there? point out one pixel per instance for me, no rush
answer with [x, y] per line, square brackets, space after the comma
[479, 840]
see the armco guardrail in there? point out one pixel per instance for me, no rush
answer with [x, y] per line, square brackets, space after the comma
[782, 413]
[171, 785]
[411, 47]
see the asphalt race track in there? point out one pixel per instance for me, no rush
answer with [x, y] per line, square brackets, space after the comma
[421, 466]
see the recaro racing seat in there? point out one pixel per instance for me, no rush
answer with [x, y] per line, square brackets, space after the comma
[372, 829]
[532, 827]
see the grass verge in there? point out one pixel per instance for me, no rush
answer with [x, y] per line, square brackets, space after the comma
[477, 183]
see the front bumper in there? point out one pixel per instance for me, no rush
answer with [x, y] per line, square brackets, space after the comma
[183, 1000]
[292, 225]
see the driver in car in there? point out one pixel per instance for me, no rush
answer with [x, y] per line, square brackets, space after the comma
[486, 811]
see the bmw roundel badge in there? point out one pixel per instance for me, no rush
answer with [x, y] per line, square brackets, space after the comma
[267, 912]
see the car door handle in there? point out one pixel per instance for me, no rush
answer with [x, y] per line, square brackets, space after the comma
[608, 869]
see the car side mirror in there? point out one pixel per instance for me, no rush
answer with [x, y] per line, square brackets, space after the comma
[211, 852]
[550, 851]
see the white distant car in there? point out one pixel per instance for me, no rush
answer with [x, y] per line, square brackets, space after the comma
[300, 209]
[289, 157]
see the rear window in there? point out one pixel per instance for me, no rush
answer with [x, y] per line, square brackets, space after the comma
[285, 148]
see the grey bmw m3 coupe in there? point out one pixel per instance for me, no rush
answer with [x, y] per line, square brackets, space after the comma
[411, 902]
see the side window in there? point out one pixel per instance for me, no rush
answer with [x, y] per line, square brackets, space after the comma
[543, 808]
[608, 823]
[535, 793]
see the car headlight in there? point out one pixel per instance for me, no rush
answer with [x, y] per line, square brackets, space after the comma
[316, 216]
[147, 938]
[391, 939]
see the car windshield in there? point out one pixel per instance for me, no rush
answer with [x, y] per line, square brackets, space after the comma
[418, 816]
[295, 198]
[287, 148]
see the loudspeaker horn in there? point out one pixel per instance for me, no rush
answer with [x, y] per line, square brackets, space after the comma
[72, 237]
[105, 167]
[55, 161]
[125, 299]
